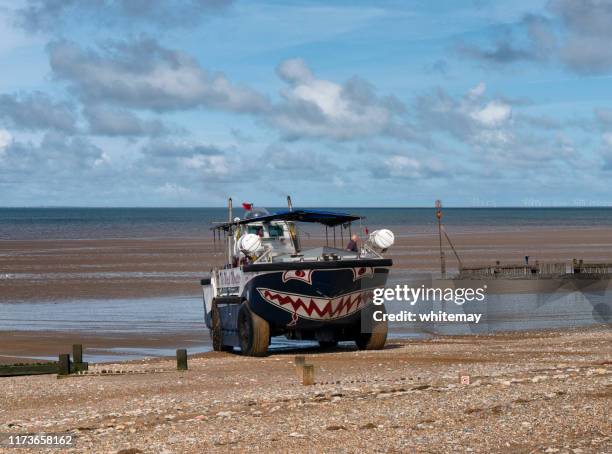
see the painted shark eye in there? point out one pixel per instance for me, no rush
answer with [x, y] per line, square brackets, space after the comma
[361, 271]
[300, 273]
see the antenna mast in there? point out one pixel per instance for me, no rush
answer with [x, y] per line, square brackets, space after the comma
[442, 260]
[230, 235]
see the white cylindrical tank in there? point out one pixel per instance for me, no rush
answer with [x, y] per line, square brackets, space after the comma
[249, 244]
[381, 239]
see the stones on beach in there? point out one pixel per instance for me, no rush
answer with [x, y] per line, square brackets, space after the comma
[539, 378]
[124, 412]
[367, 426]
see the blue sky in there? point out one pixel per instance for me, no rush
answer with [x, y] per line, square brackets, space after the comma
[390, 103]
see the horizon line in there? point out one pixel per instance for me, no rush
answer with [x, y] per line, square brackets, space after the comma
[297, 207]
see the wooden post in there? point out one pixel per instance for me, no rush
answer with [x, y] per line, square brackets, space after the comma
[308, 374]
[181, 359]
[299, 364]
[77, 359]
[77, 353]
[63, 364]
[300, 360]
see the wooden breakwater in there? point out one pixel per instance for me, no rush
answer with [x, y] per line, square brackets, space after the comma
[14, 370]
[538, 270]
[67, 366]
[63, 366]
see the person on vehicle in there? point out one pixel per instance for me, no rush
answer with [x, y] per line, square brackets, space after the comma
[352, 244]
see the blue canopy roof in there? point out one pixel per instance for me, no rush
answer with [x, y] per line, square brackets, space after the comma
[326, 218]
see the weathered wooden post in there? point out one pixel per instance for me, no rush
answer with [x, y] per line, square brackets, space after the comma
[77, 359]
[300, 360]
[299, 364]
[63, 364]
[181, 359]
[77, 353]
[308, 374]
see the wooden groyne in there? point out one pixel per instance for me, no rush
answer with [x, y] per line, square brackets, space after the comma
[538, 270]
[13, 370]
[65, 366]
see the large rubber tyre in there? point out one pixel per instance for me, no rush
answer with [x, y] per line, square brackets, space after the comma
[253, 331]
[377, 338]
[215, 332]
[327, 345]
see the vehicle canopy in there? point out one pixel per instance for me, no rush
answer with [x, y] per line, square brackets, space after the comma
[327, 218]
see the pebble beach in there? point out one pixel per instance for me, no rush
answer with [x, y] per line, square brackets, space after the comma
[531, 392]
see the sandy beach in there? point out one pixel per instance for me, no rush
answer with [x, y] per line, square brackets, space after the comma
[130, 268]
[529, 392]
[156, 271]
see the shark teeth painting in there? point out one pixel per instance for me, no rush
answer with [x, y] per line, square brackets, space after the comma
[317, 308]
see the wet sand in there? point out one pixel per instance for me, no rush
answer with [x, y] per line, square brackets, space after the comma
[529, 392]
[22, 346]
[128, 268]
[101, 271]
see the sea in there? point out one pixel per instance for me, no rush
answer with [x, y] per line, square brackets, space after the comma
[158, 315]
[93, 223]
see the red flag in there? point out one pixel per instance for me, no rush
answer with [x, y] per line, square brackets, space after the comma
[247, 206]
[367, 231]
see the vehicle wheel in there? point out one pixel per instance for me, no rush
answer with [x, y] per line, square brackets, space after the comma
[215, 332]
[327, 345]
[377, 338]
[254, 332]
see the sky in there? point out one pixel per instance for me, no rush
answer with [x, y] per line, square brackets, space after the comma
[347, 103]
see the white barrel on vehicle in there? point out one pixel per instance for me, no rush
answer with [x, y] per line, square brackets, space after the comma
[249, 244]
[382, 239]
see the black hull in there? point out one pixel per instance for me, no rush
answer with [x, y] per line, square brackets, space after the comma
[311, 300]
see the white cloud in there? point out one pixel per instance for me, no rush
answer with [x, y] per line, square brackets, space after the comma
[575, 33]
[142, 74]
[216, 165]
[402, 166]
[5, 139]
[493, 114]
[54, 15]
[295, 70]
[478, 90]
[173, 190]
[472, 118]
[102, 160]
[321, 108]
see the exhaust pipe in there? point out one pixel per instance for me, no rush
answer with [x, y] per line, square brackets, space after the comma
[289, 204]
